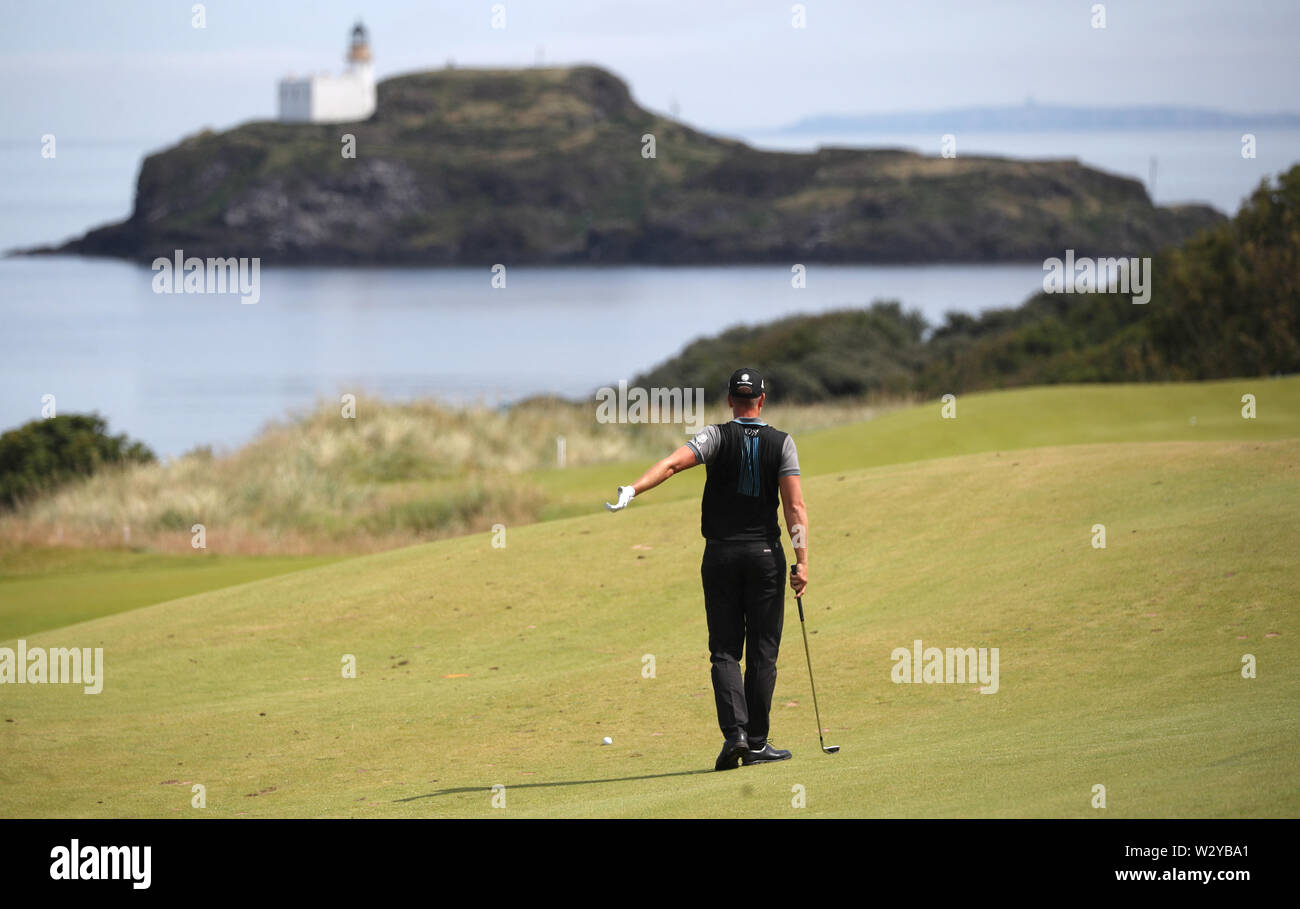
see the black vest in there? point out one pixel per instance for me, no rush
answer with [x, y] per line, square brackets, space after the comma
[742, 490]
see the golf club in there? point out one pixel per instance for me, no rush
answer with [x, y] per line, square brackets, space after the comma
[826, 749]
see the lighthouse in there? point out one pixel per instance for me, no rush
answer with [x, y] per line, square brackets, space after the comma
[359, 49]
[345, 98]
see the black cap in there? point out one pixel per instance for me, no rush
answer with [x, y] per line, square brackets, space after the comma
[746, 383]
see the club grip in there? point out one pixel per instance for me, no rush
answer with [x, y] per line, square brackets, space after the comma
[797, 599]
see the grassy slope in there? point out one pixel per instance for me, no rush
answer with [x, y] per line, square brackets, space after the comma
[1118, 666]
[77, 585]
[992, 421]
[48, 587]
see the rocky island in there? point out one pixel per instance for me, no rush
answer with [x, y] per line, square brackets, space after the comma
[561, 166]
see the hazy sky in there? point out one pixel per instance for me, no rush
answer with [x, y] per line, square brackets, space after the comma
[136, 68]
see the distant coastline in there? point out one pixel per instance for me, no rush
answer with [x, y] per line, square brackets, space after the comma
[1032, 117]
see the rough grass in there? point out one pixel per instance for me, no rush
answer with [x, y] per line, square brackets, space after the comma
[395, 475]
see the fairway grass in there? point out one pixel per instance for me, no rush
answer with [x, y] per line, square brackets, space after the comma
[480, 666]
[44, 587]
[989, 421]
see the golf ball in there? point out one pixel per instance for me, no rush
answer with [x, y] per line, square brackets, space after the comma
[607, 741]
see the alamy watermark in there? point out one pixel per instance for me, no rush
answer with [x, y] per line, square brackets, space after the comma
[651, 405]
[936, 665]
[1098, 276]
[192, 275]
[76, 862]
[67, 665]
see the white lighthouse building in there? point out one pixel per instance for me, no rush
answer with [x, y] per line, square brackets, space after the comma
[333, 99]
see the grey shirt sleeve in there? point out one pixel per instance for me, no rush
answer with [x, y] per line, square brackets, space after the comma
[789, 459]
[705, 444]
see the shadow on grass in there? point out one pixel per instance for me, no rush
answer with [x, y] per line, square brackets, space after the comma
[617, 779]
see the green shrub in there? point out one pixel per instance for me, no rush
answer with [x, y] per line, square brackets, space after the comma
[1224, 304]
[43, 454]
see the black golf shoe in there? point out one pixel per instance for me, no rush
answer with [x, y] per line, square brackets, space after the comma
[764, 754]
[733, 752]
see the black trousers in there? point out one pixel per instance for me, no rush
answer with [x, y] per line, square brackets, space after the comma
[744, 600]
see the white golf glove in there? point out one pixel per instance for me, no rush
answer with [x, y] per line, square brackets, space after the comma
[625, 495]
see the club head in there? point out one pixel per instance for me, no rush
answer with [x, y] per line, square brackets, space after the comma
[831, 749]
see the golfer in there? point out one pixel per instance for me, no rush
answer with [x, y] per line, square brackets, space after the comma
[749, 465]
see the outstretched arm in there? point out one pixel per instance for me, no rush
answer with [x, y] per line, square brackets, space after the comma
[681, 459]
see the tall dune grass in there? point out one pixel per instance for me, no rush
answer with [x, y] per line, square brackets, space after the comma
[393, 475]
